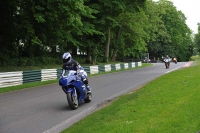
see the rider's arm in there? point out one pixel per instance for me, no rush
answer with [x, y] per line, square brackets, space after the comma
[63, 70]
[77, 67]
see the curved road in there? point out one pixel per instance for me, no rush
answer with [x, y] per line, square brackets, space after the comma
[45, 109]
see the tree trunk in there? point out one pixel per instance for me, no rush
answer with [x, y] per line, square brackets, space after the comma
[53, 52]
[117, 43]
[94, 61]
[107, 45]
[88, 56]
[114, 55]
[74, 51]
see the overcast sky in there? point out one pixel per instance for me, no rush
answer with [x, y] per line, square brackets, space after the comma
[191, 9]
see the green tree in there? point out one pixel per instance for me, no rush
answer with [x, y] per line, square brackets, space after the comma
[178, 32]
[155, 28]
[197, 38]
[134, 34]
[109, 18]
[8, 30]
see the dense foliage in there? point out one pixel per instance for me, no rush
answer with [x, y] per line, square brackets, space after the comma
[38, 32]
[197, 40]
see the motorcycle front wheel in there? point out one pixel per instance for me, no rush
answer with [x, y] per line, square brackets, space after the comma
[72, 100]
[167, 65]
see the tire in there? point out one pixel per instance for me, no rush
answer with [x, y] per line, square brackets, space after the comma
[88, 98]
[72, 100]
[166, 65]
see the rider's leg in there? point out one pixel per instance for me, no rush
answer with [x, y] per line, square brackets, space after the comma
[85, 81]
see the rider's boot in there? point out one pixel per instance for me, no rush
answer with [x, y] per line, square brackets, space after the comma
[85, 81]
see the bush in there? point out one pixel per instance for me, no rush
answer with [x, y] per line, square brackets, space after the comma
[22, 61]
[193, 58]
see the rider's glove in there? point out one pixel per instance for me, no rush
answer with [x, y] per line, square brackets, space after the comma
[61, 75]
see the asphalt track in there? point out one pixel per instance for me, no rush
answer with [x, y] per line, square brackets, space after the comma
[45, 109]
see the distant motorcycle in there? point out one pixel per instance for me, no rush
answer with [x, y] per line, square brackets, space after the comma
[75, 89]
[167, 63]
[175, 60]
[146, 60]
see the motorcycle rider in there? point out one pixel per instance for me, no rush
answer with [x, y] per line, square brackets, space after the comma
[70, 64]
[167, 60]
[174, 60]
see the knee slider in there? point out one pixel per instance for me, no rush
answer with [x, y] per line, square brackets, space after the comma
[85, 81]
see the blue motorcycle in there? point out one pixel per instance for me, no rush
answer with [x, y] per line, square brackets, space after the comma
[75, 89]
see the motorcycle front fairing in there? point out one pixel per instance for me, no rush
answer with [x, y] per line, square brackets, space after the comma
[71, 84]
[64, 82]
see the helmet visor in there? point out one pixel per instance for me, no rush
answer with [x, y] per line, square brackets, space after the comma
[66, 60]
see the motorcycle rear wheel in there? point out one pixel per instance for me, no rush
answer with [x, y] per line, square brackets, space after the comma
[72, 100]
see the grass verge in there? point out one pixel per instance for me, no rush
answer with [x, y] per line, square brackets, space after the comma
[169, 104]
[34, 84]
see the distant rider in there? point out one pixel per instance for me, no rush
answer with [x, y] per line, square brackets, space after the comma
[174, 60]
[167, 61]
[70, 64]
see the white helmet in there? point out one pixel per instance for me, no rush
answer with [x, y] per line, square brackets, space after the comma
[66, 58]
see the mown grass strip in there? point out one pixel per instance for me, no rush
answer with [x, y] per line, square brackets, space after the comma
[169, 104]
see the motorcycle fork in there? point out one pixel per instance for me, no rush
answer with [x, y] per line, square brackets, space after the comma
[75, 93]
